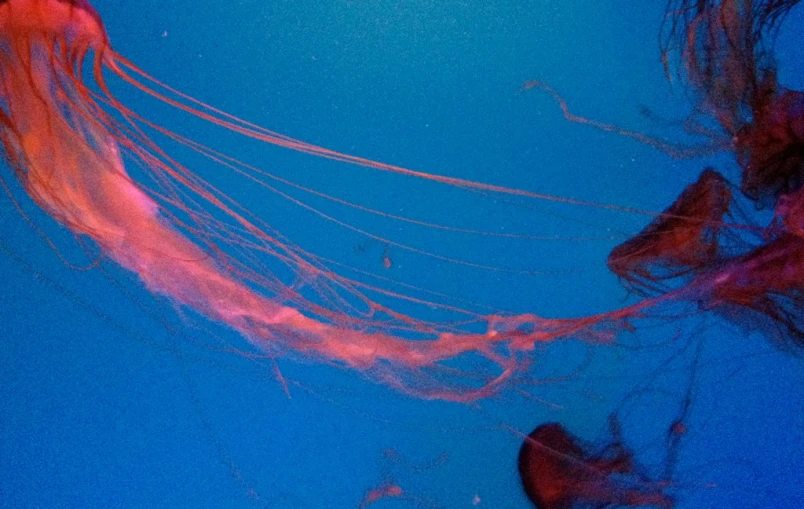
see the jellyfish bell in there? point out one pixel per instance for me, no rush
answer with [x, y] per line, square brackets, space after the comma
[76, 19]
[42, 46]
[763, 289]
[770, 149]
[758, 285]
[558, 472]
[683, 240]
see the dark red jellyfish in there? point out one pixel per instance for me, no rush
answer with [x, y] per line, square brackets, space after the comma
[726, 53]
[767, 282]
[752, 284]
[683, 240]
[558, 472]
[750, 273]
[770, 149]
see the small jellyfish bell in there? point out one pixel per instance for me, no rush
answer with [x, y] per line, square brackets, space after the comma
[770, 149]
[558, 472]
[682, 240]
[765, 283]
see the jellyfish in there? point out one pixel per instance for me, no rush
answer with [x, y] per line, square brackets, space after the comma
[767, 282]
[688, 240]
[558, 472]
[68, 140]
[726, 52]
[717, 42]
[683, 240]
[770, 148]
[727, 58]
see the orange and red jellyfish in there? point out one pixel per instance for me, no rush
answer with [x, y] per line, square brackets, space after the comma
[67, 140]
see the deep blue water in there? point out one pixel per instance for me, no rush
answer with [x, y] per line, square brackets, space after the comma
[113, 398]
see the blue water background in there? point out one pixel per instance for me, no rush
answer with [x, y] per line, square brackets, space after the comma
[113, 398]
